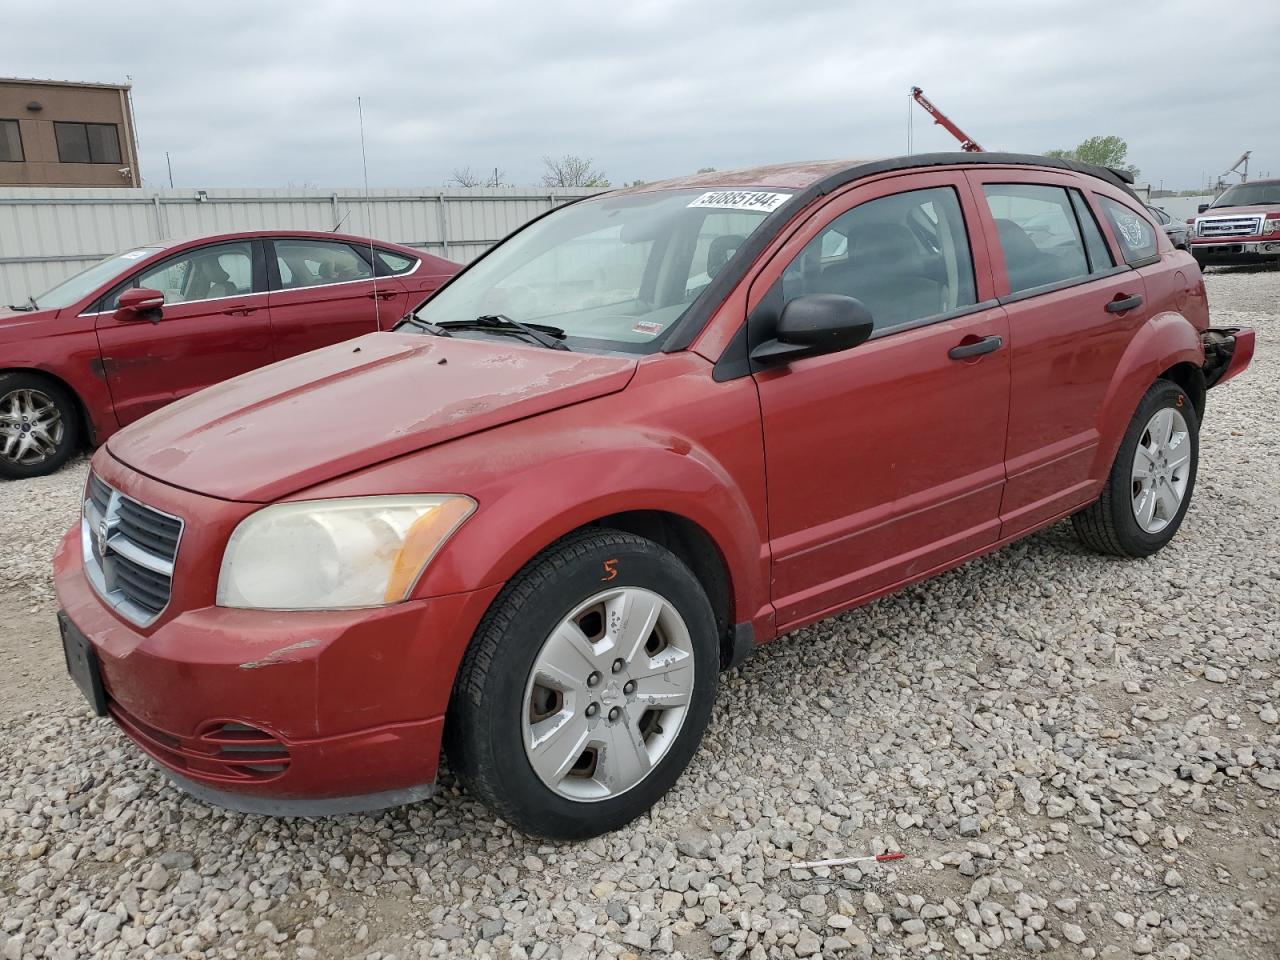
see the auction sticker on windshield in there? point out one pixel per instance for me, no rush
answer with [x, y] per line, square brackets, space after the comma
[741, 200]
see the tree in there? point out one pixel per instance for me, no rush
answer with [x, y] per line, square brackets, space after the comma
[571, 171]
[706, 169]
[464, 177]
[1110, 151]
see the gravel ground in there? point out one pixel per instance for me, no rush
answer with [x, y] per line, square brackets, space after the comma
[1079, 756]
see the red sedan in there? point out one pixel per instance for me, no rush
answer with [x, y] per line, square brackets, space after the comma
[155, 323]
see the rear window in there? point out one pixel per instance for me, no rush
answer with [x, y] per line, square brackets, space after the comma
[390, 264]
[1039, 234]
[1136, 235]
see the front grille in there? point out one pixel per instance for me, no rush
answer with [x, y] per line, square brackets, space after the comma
[1229, 227]
[129, 550]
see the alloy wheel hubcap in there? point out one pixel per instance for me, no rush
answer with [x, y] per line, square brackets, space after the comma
[608, 693]
[31, 427]
[1161, 468]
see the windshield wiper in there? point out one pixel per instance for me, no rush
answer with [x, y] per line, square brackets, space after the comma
[26, 307]
[541, 333]
[413, 320]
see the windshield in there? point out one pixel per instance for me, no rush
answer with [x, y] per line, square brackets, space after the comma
[1248, 194]
[78, 287]
[615, 272]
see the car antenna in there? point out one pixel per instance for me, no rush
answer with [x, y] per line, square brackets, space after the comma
[338, 226]
[368, 219]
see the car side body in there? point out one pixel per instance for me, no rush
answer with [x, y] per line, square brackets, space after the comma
[1228, 232]
[791, 490]
[240, 307]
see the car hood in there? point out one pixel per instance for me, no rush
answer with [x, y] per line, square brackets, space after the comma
[280, 429]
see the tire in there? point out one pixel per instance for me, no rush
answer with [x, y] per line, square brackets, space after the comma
[1135, 517]
[40, 411]
[501, 705]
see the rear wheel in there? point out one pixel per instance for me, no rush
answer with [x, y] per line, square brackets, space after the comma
[587, 687]
[1149, 489]
[39, 425]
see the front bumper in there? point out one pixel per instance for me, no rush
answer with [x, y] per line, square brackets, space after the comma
[281, 712]
[1231, 251]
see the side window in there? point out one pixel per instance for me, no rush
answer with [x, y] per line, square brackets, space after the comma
[204, 274]
[311, 263]
[1136, 235]
[390, 264]
[1038, 233]
[1094, 244]
[906, 257]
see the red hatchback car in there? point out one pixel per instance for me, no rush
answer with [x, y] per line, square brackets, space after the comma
[648, 432]
[153, 324]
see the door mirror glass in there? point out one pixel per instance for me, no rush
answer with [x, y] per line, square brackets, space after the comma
[140, 303]
[814, 324]
[1202, 208]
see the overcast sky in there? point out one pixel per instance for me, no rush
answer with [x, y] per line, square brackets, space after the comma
[258, 93]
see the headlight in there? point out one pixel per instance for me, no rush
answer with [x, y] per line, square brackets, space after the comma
[1271, 226]
[335, 554]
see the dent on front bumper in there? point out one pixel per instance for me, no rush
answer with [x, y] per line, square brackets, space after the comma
[281, 712]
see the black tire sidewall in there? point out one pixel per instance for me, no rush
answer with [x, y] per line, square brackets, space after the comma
[533, 805]
[1138, 542]
[67, 407]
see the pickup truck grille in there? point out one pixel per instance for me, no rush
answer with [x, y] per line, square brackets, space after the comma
[128, 551]
[1229, 227]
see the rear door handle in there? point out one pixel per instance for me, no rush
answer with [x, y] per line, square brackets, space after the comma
[976, 349]
[1122, 303]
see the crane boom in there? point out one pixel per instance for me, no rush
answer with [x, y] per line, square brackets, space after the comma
[967, 143]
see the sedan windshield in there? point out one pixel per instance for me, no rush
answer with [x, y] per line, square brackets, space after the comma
[1248, 194]
[78, 287]
[614, 272]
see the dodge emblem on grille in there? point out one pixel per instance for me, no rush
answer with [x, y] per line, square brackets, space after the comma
[102, 538]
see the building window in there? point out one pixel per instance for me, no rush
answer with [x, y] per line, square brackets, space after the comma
[87, 142]
[10, 142]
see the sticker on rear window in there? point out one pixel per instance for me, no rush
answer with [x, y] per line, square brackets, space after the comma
[133, 255]
[741, 200]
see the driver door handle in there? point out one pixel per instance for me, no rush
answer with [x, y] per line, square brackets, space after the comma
[239, 310]
[977, 348]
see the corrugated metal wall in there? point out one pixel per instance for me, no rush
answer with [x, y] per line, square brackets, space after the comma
[49, 234]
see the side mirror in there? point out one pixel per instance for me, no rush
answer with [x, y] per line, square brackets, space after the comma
[815, 324]
[140, 303]
[1202, 208]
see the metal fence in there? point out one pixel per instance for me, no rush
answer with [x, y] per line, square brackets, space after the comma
[49, 234]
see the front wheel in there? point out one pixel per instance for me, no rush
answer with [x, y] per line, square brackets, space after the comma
[1149, 489]
[39, 425]
[587, 687]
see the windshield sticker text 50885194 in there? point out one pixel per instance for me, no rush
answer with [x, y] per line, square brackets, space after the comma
[742, 200]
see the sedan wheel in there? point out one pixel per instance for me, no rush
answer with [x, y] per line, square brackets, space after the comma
[608, 694]
[39, 425]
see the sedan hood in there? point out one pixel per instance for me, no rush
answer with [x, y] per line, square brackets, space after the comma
[272, 432]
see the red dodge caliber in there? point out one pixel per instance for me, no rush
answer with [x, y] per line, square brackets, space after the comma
[647, 433]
